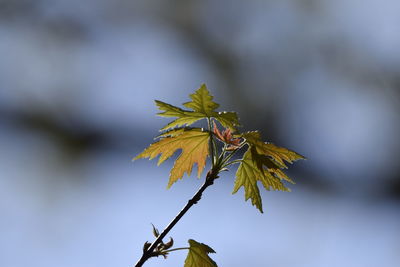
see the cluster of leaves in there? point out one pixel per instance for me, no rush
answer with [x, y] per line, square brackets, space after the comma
[262, 161]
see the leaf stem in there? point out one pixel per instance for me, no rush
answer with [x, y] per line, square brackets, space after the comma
[175, 249]
[212, 143]
[232, 162]
[211, 176]
[227, 158]
[222, 155]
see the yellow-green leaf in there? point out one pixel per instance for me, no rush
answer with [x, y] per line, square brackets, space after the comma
[194, 145]
[251, 171]
[266, 163]
[227, 119]
[198, 255]
[202, 102]
[202, 106]
[185, 117]
[278, 154]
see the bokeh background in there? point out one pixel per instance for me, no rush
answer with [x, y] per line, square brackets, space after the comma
[77, 84]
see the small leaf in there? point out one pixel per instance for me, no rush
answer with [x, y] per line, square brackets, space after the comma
[201, 107]
[263, 162]
[185, 117]
[227, 119]
[278, 154]
[198, 255]
[155, 231]
[194, 145]
[202, 102]
[226, 137]
[251, 171]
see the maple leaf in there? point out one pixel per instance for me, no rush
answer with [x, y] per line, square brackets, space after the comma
[278, 154]
[202, 106]
[194, 145]
[185, 117]
[266, 163]
[227, 119]
[263, 162]
[202, 102]
[198, 255]
[250, 171]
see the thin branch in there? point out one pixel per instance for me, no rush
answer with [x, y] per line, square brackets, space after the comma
[211, 176]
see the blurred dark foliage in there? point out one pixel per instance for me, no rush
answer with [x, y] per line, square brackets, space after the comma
[240, 75]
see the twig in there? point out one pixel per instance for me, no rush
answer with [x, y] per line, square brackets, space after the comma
[211, 176]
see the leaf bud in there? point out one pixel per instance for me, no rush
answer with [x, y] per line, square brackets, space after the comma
[169, 244]
[146, 246]
[155, 231]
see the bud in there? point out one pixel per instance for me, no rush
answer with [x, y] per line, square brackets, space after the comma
[146, 246]
[155, 231]
[169, 244]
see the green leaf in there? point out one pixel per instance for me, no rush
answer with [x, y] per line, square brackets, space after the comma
[194, 145]
[202, 106]
[202, 102]
[185, 117]
[250, 171]
[277, 154]
[263, 162]
[227, 119]
[198, 255]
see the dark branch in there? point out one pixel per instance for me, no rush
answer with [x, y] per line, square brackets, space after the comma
[147, 254]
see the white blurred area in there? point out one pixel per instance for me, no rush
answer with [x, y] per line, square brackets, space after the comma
[77, 87]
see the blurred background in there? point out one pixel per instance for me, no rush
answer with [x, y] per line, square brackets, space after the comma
[77, 84]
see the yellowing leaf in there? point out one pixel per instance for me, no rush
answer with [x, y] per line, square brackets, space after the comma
[202, 107]
[194, 145]
[249, 173]
[278, 154]
[198, 255]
